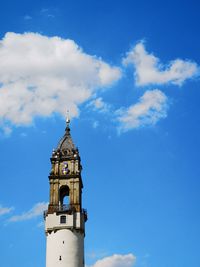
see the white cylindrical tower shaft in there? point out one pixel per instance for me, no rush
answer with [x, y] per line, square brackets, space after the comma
[65, 248]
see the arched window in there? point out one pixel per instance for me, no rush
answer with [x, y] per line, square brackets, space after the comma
[64, 195]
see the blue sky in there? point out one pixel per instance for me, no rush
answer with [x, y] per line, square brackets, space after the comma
[128, 71]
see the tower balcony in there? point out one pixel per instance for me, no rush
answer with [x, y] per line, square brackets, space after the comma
[65, 208]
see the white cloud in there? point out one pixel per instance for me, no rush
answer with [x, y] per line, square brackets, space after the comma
[27, 17]
[48, 12]
[5, 210]
[95, 124]
[42, 75]
[7, 130]
[23, 134]
[36, 211]
[116, 260]
[99, 104]
[40, 224]
[149, 70]
[151, 107]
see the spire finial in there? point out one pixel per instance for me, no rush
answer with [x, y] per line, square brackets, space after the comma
[67, 119]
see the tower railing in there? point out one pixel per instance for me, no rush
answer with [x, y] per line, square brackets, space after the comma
[64, 208]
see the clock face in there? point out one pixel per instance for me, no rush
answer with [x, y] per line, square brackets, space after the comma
[64, 168]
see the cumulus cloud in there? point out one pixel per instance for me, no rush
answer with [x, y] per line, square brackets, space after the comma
[99, 104]
[116, 260]
[36, 211]
[5, 210]
[151, 107]
[149, 70]
[42, 75]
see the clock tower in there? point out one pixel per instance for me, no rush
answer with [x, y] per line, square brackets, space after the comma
[65, 218]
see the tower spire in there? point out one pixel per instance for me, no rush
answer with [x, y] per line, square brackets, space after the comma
[67, 119]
